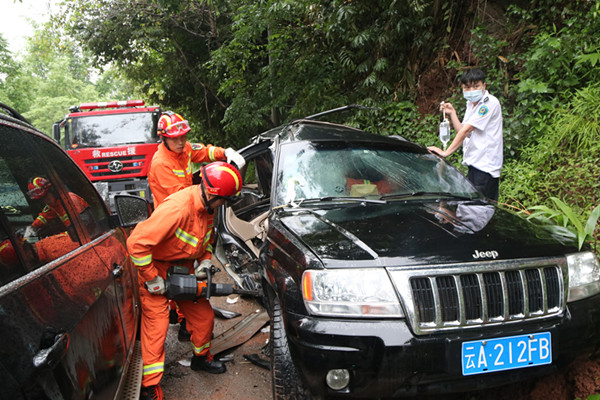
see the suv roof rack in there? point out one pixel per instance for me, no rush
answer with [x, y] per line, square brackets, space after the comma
[340, 109]
[271, 133]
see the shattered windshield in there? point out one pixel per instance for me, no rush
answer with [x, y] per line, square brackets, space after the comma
[112, 129]
[323, 170]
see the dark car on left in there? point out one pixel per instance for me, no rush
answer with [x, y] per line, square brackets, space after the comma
[69, 304]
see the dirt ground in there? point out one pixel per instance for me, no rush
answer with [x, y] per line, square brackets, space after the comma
[247, 381]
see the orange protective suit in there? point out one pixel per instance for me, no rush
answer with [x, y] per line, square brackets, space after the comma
[171, 172]
[178, 232]
[56, 210]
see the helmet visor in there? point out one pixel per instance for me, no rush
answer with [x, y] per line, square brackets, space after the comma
[178, 128]
[37, 192]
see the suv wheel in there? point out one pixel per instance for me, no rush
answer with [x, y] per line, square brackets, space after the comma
[284, 376]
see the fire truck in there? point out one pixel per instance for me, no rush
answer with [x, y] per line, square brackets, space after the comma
[113, 143]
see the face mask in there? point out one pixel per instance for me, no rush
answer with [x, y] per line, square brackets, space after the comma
[473, 95]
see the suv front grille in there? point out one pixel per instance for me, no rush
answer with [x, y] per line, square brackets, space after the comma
[471, 296]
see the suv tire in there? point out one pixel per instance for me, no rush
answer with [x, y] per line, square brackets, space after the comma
[284, 376]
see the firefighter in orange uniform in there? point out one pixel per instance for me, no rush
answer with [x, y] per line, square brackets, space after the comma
[177, 233]
[39, 188]
[171, 168]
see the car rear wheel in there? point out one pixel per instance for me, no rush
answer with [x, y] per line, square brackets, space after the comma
[284, 376]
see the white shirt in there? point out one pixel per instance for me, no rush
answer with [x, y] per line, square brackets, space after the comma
[483, 148]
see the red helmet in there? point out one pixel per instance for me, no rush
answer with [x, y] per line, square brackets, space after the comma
[172, 125]
[221, 179]
[38, 187]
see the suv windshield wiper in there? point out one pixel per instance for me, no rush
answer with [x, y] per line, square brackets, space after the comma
[424, 193]
[299, 202]
[354, 199]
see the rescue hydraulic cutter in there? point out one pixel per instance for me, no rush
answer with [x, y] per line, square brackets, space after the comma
[180, 285]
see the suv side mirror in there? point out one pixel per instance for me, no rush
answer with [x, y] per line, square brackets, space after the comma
[131, 209]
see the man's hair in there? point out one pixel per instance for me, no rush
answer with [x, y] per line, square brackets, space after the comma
[472, 75]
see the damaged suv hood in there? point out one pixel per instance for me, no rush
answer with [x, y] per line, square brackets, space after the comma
[414, 233]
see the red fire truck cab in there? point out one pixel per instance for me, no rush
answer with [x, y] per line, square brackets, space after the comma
[113, 143]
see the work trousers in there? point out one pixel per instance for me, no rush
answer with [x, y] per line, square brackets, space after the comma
[484, 182]
[155, 324]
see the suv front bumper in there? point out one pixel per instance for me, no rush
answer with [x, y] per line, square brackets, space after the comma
[385, 359]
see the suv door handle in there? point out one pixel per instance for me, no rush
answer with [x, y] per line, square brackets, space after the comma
[117, 270]
[50, 356]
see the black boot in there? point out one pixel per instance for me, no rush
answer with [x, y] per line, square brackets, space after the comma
[183, 335]
[207, 363]
[173, 317]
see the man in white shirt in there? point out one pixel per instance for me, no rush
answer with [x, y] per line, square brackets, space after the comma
[480, 134]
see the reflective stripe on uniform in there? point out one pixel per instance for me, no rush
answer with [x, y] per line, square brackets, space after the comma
[154, 368]
[207, 237]
[211, 153]
[209, 248]
[64, 217]
[141, 261]
[189, 164]
[42, 219]
[179, 173]
[198, 350]
[186, 237]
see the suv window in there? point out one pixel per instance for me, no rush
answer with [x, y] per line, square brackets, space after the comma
[42, 225]
[95, 215]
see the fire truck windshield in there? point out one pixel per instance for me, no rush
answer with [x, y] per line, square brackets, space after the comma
[112, 129]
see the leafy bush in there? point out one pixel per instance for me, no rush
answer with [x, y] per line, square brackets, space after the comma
[565, 217]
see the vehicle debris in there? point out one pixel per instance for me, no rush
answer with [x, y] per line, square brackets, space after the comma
[257, 360]
[240, 332]
[222, 313]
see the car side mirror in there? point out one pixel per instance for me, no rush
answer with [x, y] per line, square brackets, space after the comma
[131, 209]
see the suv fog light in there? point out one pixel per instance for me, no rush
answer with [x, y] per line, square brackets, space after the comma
[337, 379]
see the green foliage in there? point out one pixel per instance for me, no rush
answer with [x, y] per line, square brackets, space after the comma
[398, 118]
[54, 74]
[566, 217]
[565, 162]
[561, 60]
[295, 58]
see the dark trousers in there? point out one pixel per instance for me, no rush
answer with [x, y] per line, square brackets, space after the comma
[484, 182]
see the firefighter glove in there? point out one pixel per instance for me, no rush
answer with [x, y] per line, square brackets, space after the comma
[201, 271]
[30, 233]
[234, 156]
[156, 285]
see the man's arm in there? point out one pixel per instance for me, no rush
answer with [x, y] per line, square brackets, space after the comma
[147, 234]
[207, 153]
[456, 143]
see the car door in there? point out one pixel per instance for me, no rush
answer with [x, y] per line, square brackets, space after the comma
[108, 243]
[61, 303]
[242, 226]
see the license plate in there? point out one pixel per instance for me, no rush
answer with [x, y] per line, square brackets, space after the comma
[482, 356]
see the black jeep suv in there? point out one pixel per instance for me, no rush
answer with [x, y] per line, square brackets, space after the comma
[386, 274]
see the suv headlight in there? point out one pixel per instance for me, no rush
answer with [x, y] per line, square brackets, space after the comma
[366, 293]
[584, 275]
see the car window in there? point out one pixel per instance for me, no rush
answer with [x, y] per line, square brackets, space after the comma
[37, 209]
[316, 170]
[256, 189]
[83, 195]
